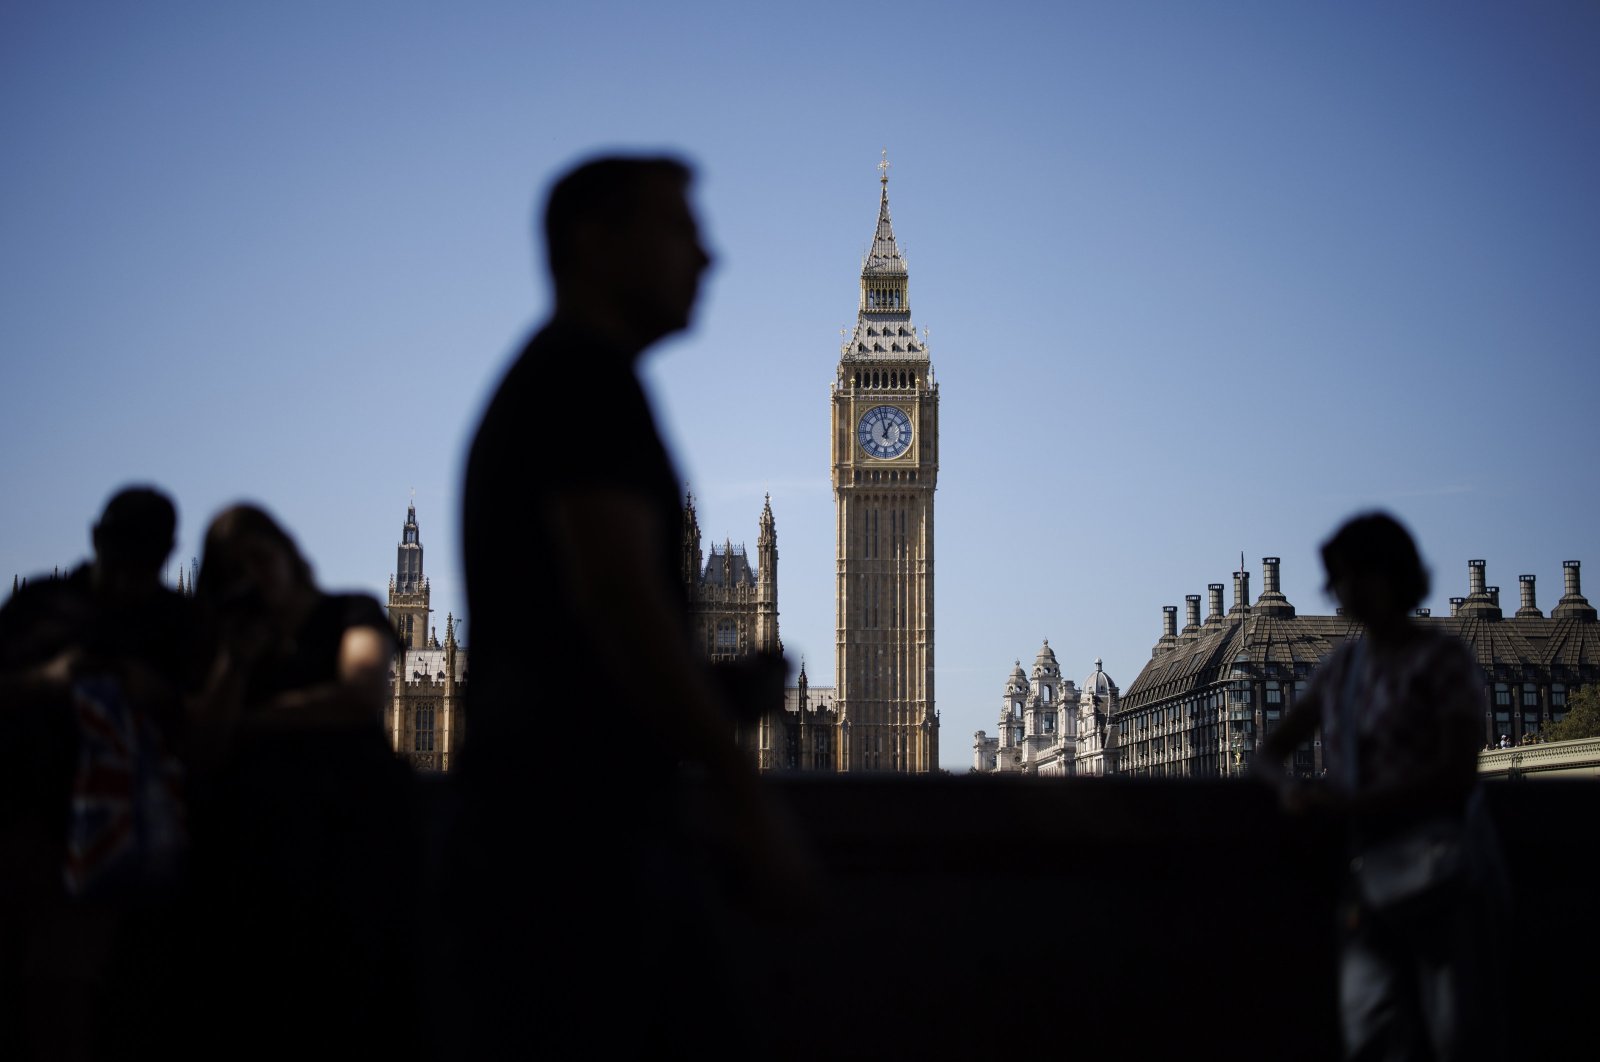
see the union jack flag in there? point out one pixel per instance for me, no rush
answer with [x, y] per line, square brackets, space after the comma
[128, 828]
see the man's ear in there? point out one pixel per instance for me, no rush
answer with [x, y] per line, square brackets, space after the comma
[598, 241]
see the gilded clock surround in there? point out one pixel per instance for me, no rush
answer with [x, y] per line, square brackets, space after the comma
[884, 432]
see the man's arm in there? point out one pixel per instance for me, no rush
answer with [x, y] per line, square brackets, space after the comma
[607, 542]
[356, 698]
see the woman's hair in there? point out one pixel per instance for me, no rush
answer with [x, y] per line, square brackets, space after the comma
[1376, 543]
[224, 572]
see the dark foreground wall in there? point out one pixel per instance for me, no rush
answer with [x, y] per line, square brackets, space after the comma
[976, 917]
[959, 917]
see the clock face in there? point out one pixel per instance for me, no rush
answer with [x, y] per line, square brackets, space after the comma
[884, 432]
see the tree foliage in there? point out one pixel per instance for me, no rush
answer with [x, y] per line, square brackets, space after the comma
[1583, 716]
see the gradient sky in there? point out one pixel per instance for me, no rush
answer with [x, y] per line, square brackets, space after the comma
[1200, 279]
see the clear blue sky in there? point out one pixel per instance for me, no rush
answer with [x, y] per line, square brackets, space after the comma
[1201, 279]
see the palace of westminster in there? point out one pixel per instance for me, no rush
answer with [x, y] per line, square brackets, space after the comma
[1210, 691]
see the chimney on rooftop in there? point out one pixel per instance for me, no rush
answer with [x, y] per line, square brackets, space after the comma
[1272, 602]
[1241, 593]
[1192, 615]
[1169, 630]
[1484, 601]
[1573, 604]
[1529, 606]
[1214, 593]
[1455, 604]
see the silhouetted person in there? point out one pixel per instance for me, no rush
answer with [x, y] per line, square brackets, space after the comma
[307, 845]
[1400, 711]
[93, 828]
[586, 906]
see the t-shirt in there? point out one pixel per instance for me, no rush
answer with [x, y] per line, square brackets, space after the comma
[569, 416]
[154, 632]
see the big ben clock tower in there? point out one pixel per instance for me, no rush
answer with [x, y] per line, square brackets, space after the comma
[885, 452]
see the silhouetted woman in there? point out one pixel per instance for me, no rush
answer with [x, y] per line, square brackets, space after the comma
[286, 656]
[306, 838]
[1400, 708]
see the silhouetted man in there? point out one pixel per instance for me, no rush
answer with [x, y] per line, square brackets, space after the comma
[93, 836]
[108, 631]
[112, 607]
[589, 701]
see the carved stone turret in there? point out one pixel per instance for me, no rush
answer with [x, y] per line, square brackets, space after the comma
[409, 598]
[691, 542]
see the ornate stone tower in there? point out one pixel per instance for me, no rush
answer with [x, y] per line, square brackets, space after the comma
[427, 683]
[733, 609]
[885, 457]
[733, 612]
[408, 587]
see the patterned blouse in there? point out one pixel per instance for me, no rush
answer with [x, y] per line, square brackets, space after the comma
[1418, 710]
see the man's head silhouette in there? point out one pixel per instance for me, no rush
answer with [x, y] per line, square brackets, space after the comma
[133, 537]
[624, 250]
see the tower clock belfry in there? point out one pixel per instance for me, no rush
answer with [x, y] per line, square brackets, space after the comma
[885, 456]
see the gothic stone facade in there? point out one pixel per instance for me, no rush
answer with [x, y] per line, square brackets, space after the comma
[733, 610]
[427, 680]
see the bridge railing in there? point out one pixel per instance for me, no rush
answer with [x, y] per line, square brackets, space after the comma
[1579, 758]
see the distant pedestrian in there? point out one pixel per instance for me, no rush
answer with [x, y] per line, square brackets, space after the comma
[1398, 709]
